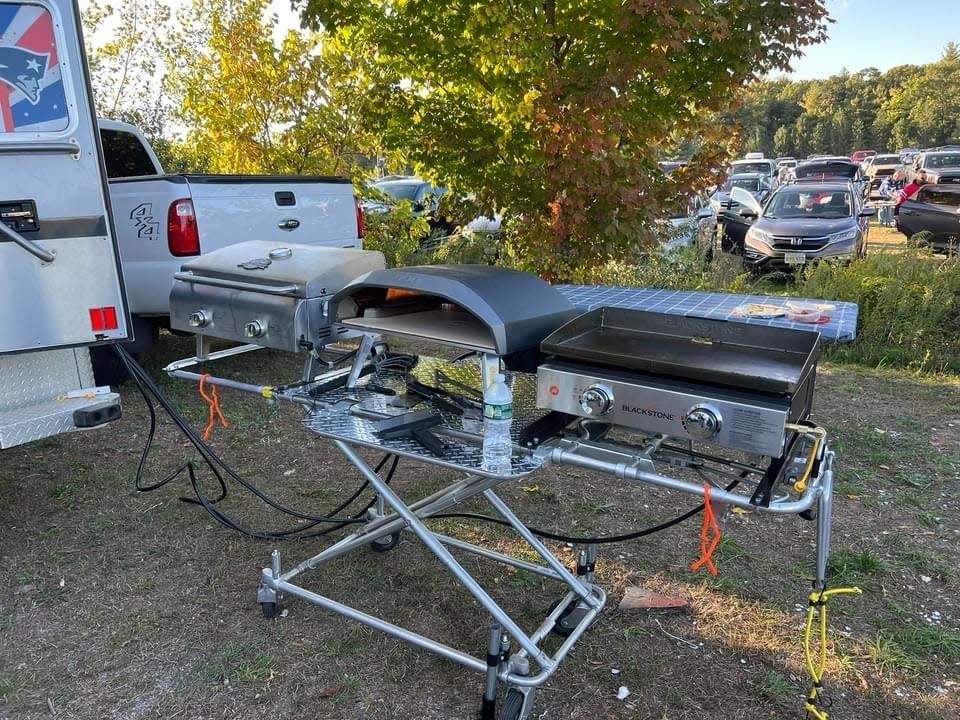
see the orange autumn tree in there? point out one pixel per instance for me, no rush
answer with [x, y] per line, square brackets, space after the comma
[556, 112]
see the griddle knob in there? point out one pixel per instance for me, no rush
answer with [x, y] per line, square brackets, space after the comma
[596, 400]
[253, 329]
[702, 422]
[199, 319]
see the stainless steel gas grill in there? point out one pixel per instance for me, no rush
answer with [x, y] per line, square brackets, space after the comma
[267, 294]
[711, 409]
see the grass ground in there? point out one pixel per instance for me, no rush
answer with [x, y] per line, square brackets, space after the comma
[121, 604]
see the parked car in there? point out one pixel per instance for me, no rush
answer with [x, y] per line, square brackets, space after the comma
[161, 219]
[861, 155]
[767, 168]
[882, 166]
[937, 163]
[730, 236]
[830, 168]
[692, 222]
[757, 185]
[803, 223]
[935, 208]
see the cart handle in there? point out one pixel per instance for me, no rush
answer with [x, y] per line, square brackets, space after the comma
[30, 246]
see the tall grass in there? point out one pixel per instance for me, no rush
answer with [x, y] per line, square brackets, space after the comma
[909, 308]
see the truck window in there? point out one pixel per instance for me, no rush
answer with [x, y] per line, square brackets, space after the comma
[125, 155]
[32, 98]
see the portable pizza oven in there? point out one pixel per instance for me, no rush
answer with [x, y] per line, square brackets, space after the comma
[474, 307]
[267, 294]
[733, 384]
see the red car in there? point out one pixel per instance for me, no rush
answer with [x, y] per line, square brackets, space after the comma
[860, 155]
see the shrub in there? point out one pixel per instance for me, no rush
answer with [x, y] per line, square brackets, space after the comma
[909, 308]
[396, 233]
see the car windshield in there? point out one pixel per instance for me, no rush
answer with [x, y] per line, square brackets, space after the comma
[751, 184]
[942, 161]
[886, 160]
[824, 204]
[399, 191]
[762, 168]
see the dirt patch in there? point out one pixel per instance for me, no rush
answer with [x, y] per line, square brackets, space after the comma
[121, 604]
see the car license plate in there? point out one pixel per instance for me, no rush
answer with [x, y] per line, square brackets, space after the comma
[794, 258]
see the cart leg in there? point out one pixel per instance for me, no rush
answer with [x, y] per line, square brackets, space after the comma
[269, 598]
[824, 512]
[488, 706]
[576, 609]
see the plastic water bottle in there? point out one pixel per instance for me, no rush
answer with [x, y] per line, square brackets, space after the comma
[497, 416]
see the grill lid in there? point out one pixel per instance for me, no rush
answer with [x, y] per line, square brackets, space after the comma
[295, 270]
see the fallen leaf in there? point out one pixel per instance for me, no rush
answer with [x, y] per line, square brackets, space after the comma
[329, 692]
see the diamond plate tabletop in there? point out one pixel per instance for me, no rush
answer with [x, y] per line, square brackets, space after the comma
[336, 417]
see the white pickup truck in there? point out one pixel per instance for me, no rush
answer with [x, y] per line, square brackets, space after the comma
[161, 219]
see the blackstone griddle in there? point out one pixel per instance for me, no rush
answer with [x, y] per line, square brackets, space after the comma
[690, 378]
[731, 354]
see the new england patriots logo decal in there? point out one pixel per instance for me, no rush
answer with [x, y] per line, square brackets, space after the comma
[33, 97]
[23, 70]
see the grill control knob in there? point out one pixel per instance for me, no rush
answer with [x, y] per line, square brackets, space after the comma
[253, 329]
[596, 400]
[702, 422]
[199, 319]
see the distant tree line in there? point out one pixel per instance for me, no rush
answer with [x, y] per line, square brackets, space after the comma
[907, 106]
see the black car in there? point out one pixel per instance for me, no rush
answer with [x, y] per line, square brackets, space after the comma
[935, 208]
[833, 169]
[806, 222]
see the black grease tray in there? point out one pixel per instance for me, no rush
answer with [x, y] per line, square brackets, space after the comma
[734, 354]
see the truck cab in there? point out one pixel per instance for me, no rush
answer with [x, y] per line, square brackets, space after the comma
[60, 276]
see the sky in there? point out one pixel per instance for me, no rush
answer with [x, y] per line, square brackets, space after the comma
[881, 34]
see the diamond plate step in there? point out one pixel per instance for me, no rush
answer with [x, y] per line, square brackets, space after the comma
[42, 420]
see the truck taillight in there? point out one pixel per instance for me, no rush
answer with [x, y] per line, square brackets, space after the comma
[361, 223]
[183, 238]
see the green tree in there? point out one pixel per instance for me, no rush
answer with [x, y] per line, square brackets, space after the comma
[556, 112]
[128, 69]
[253, 105]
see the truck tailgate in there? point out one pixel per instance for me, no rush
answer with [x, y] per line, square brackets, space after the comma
[311, 210]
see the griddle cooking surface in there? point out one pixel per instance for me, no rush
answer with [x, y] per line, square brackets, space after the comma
[733, 354]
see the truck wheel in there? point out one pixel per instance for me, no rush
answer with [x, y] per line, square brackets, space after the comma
[108, 368]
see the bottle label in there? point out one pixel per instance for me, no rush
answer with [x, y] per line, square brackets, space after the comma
[498, 412]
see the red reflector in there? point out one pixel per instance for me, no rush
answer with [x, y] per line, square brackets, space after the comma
[103, 318]
[110, 318]
[97, 321]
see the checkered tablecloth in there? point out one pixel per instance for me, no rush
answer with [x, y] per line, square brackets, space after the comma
[842, 326]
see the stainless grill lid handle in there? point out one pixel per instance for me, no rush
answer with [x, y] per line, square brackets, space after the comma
[187, 276]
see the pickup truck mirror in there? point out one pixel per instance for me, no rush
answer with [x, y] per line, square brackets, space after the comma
[868, 212]
[747, 213]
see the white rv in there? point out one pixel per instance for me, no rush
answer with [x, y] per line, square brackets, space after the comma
[60, 282]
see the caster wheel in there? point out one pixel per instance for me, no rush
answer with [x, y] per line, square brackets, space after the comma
[564, 625]
[385, 544]
[270, 610]
[512, 706]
